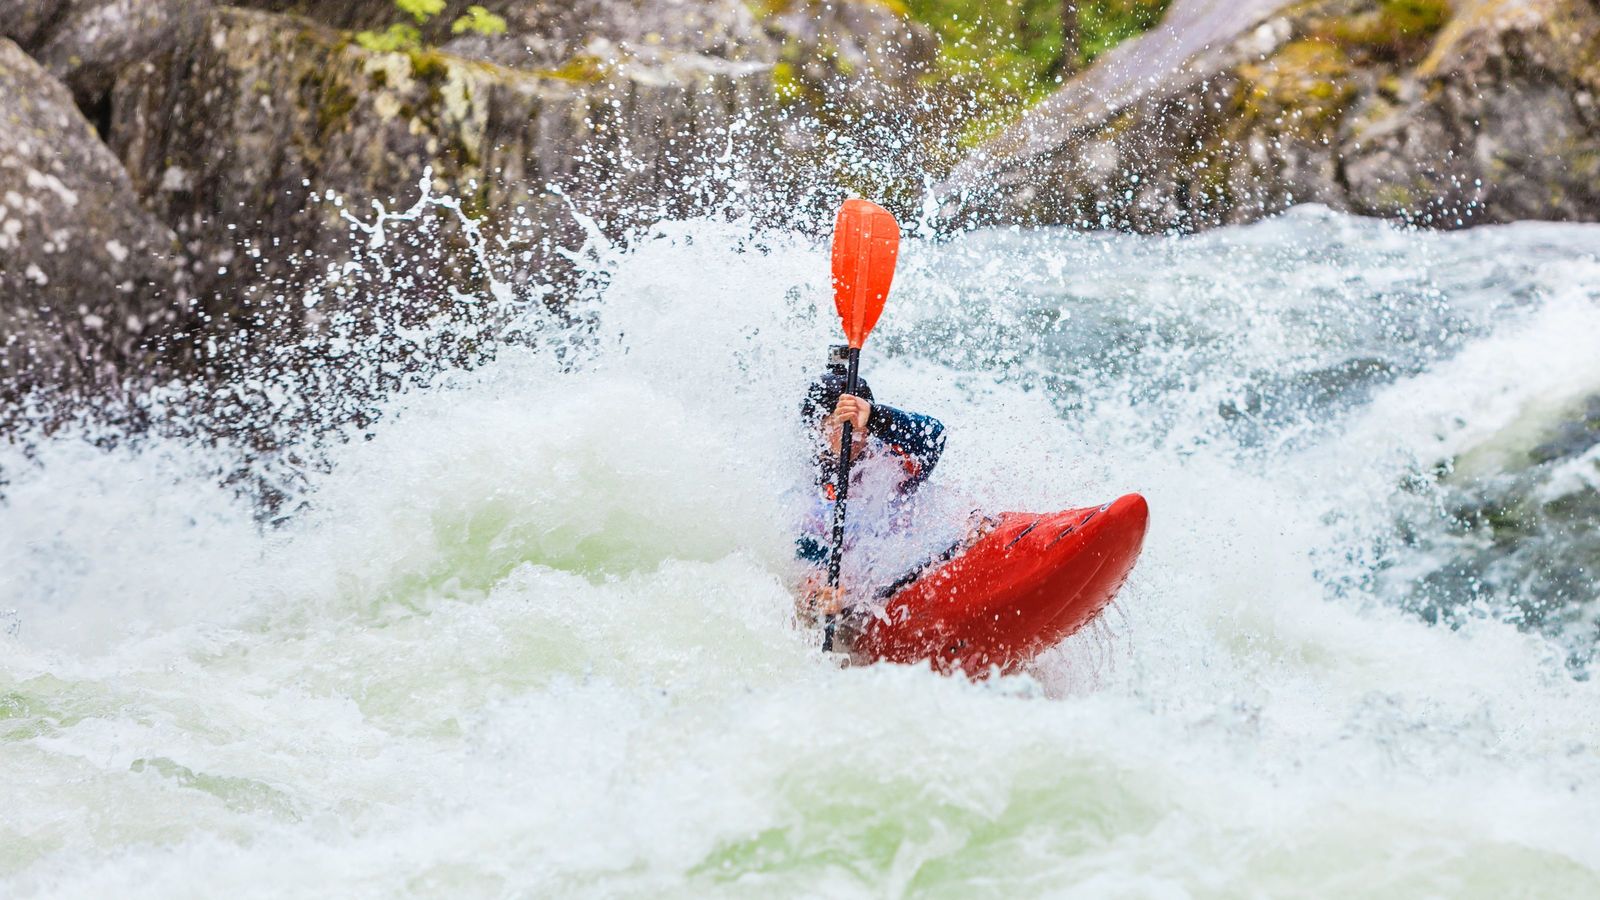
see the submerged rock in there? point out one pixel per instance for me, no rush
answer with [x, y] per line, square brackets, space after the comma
[88, 277]
[1519, 510]
[1232, 111]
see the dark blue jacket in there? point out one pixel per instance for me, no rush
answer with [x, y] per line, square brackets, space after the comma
[915, 440]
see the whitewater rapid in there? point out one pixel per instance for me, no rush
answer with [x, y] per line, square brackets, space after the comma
[534, 637]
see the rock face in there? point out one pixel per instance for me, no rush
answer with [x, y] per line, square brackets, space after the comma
[23, 21]
[238, 136]
[552, 34]
[1232, 111]
[240, 131]
[1502, 116]
[857, 106]
[85, 42]
[87, 275]
[854, 70]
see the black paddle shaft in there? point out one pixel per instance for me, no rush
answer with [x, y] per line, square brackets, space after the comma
[841, 492]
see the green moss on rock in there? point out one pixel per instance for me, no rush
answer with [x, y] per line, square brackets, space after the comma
[1304, 88]
[429, 65]
[337, 103]
[582, 68]
[1397, 197]
[1387, 30]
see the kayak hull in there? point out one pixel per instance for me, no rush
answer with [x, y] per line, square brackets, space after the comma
[1019, 590]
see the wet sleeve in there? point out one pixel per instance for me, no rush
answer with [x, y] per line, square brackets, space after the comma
[808, 548]
[916, 439]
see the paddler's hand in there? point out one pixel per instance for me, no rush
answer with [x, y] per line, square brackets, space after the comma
[852, 409]
[818, 600]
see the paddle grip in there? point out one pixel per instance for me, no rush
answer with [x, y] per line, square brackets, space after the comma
[841, 491]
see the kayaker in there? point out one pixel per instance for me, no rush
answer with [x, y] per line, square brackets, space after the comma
[893, 454]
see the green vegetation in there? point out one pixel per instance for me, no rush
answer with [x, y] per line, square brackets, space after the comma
[421, 10]
[1011, 54]
[997, 57]
[407, 37]
[963, 71]
[1390, 29]
[1023, 44]
[479, 21]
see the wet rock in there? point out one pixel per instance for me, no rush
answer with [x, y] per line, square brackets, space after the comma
[1228, 112]
[89, 279]
[240, 137]
[1500, 121]
[858, 108]
[864, 55]
[855, 71]
[553, 34]
[85, 42]
[23, 21]
[93, 40]
[545, 34]
[347, 14]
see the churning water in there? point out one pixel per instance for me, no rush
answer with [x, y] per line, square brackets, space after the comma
[534, 636]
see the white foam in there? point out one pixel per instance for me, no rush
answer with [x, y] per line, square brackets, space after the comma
[534, 638]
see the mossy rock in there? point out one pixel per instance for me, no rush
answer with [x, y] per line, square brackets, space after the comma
[582, 68]
[429, 65]
[1305, 87]
[1397, 198]
[1389, 30]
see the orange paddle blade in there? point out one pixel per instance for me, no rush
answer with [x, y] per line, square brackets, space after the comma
[866, 242]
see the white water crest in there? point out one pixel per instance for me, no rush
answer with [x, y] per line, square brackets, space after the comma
[535, 637]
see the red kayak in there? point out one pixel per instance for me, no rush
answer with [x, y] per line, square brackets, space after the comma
[1021, 589]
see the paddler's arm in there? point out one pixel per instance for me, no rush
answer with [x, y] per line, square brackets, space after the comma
[917, 439]
[810, 549]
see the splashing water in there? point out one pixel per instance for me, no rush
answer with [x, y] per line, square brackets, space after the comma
[531, 634]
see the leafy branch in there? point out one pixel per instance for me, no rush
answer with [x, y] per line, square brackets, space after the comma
[407, 36]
